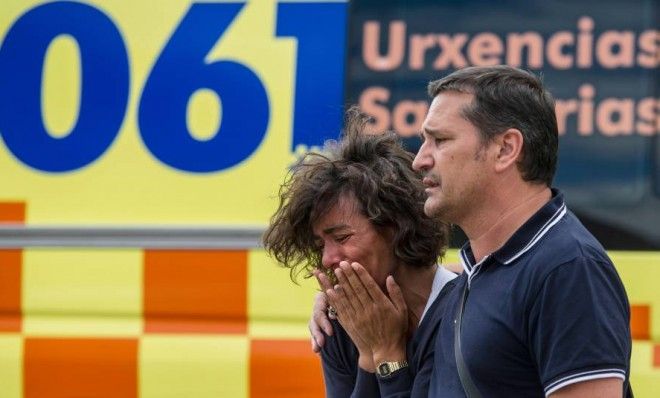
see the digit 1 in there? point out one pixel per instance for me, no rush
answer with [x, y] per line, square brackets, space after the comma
[321, 32]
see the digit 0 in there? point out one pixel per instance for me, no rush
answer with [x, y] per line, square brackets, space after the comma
[105, 78]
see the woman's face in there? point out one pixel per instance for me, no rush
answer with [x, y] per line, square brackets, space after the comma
[344, 234]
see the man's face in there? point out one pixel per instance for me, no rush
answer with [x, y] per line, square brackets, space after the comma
[344, 234]
[452, 159]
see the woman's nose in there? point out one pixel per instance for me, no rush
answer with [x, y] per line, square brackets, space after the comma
[331, 256]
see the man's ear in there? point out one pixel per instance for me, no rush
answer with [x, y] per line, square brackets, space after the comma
[509, 149]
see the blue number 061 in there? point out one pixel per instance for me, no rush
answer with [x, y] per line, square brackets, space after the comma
[179, 71]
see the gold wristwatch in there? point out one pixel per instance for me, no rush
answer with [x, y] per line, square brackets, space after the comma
[385, 369]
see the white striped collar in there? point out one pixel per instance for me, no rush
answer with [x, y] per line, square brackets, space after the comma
[525, 238]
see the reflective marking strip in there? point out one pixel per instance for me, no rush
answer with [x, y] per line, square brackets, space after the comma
[15, 236]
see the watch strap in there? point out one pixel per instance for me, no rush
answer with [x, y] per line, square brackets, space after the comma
[387, 368]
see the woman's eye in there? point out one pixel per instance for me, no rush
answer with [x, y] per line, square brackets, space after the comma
[342, 238]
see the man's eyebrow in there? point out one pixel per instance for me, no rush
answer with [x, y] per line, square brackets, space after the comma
[431, 131]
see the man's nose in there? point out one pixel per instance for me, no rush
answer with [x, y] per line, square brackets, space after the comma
[422, 161]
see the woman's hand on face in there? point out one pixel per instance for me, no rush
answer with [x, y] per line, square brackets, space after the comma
[375, 322]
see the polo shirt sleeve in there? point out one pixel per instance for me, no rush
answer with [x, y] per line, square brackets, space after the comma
[341, 373]
[579, 324]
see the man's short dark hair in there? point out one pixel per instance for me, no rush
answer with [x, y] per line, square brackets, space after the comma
[377, 172]
[506, 97]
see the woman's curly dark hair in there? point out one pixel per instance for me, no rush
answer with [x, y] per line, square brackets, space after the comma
[377, 171]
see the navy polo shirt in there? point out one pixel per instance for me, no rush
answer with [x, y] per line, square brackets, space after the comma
[546, 310]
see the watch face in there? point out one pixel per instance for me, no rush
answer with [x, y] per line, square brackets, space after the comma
[384, 369]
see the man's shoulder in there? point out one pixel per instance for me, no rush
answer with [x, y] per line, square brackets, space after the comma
[569, 241]
[568, 248]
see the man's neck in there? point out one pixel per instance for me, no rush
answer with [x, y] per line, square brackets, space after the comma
[492, 227]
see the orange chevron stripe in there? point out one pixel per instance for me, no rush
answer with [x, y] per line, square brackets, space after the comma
[100, 368]
[640, 321]
[284, 368]
[10, 290]
[12, 212]
[188, 291]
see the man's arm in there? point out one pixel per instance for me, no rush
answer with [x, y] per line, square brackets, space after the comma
[601, 388]
[579, 328]
[319, 324]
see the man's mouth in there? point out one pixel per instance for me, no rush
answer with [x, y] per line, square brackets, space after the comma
[430, 182]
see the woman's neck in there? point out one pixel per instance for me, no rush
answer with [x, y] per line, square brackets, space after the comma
[415, 284]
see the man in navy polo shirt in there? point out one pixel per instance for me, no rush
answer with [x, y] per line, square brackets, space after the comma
[540, 309]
